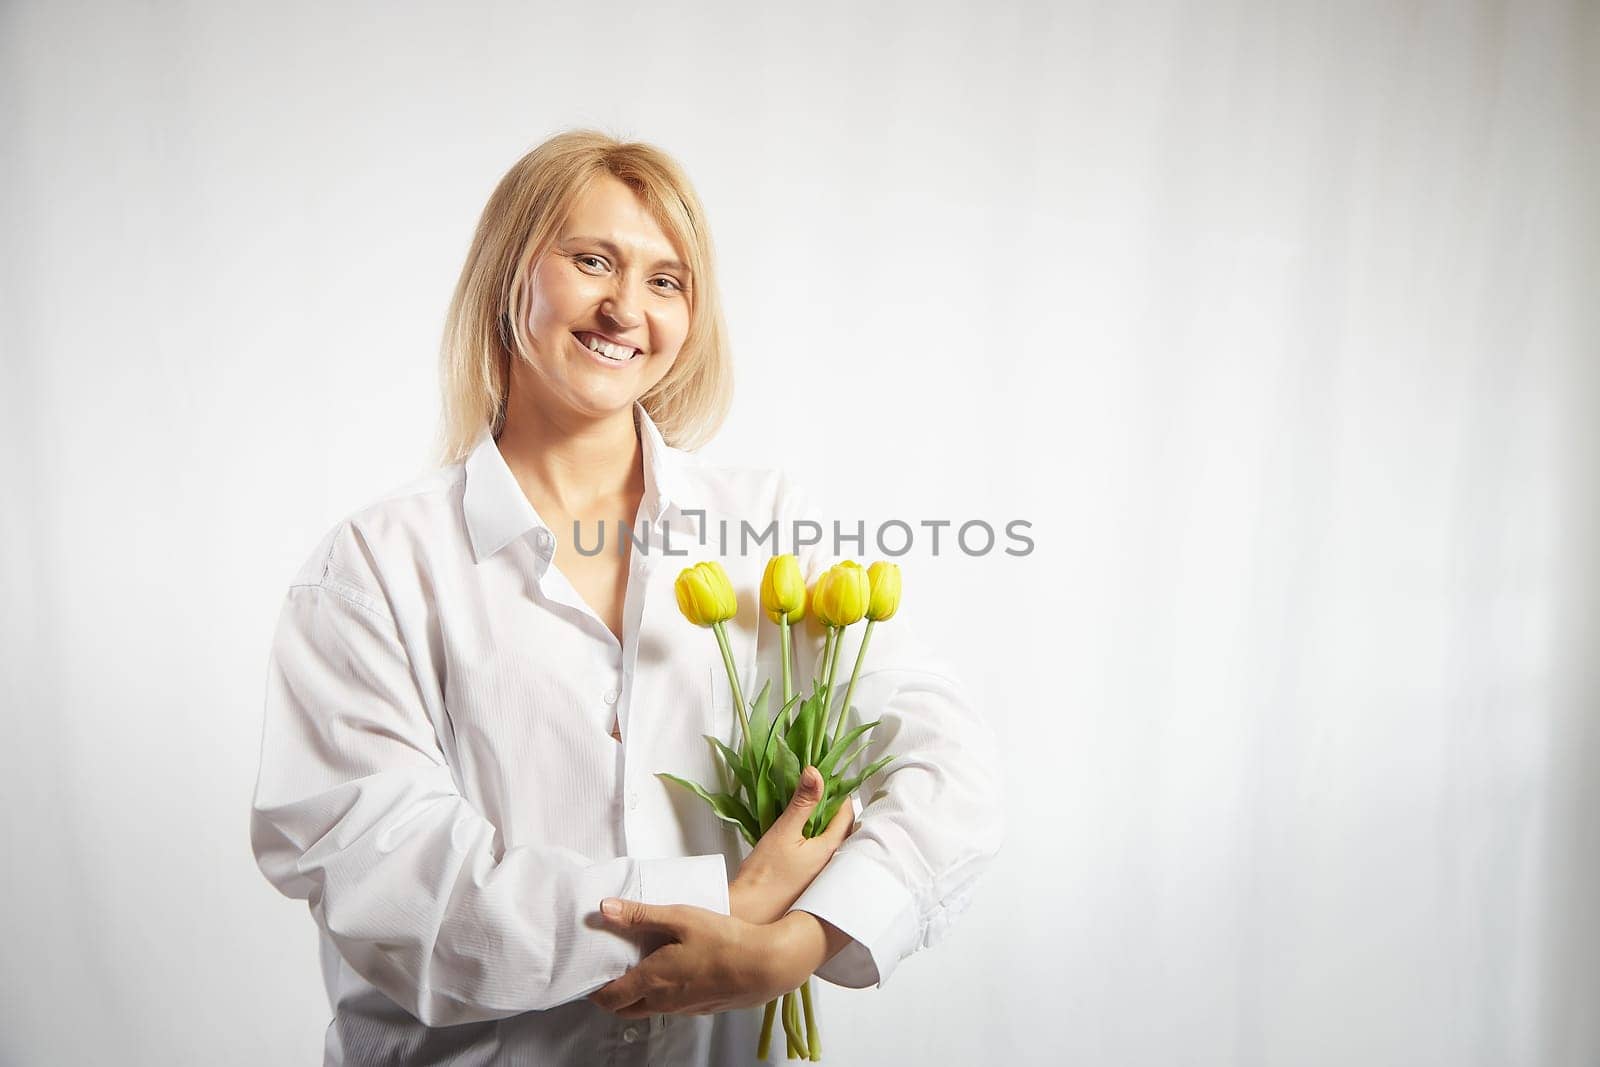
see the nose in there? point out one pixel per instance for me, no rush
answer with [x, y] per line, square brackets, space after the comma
[622, 307]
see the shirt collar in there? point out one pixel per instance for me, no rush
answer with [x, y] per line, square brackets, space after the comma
[498, 512]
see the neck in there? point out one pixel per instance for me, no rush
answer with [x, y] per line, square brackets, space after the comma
[571, 464]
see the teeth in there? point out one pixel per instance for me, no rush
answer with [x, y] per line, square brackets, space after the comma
[620, 353]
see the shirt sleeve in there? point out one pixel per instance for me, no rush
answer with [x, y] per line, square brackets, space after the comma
[932, 820]
[357, 812]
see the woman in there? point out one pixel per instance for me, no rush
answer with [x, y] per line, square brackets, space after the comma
[475, 679]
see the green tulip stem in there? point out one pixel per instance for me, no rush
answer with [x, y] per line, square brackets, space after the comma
[791, 1026]
[788, 670]
[844, 710]
[788, 1028]
[813, 1043]
[827, 647]
[733, 678]
[821, 681]
[833, 659]
[766, 1029]
[833, 666]
[800, 1045]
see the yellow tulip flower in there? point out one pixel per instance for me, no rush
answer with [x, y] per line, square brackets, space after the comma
[885, 600]
[813, 621]
[783, 589]
[842, 593]
[705, 594]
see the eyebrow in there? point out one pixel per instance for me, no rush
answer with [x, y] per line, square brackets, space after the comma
[673, 264]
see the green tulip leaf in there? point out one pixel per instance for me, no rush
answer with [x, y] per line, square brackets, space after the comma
[843, 744]
[813, 826]
[735, 763]
[758, 713]
[785, 711]
[844, 764]
[759, 705]
[763, 733]
[771, 745]
[819, 723]
[798, 736]
[852, 784]
[765, 805]
[784, 771]
[819, 745]
[759, 725]
[831, 808]
[724, 806]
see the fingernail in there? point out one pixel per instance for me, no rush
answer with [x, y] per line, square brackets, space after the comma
[612, 907]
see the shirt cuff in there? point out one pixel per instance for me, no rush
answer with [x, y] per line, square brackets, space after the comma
[864, 900]
[699, 881]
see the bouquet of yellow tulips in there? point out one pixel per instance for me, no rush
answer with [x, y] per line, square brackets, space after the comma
[774, 750]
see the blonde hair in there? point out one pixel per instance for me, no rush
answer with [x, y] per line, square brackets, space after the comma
[484, 326]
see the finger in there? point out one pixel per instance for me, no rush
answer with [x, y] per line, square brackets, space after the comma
[637, 915]
[807, 792]
[843, 824]
[614, 996]
[639, 1009]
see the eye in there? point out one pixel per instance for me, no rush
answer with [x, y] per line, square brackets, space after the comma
[672, 284]
[582, 256]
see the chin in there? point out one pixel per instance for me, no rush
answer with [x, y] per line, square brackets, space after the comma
[601, 405]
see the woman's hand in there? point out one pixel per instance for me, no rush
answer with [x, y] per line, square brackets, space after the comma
[710, 963]
[713, 962]
[785, 861]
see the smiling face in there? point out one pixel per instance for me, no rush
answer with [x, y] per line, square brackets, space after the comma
[612, 279]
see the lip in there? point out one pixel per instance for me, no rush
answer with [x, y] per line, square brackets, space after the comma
[609, 364]
[607, 337]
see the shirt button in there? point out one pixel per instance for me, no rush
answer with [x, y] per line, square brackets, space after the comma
[611, 696]
[633, 799]
[544, 538]
[631, 1034]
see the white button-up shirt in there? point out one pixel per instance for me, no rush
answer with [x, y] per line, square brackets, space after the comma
[440, 781]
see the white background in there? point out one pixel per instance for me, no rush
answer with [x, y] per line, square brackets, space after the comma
[1276, 322]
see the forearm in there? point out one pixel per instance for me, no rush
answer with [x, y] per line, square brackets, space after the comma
[806, 943]
[756, 902]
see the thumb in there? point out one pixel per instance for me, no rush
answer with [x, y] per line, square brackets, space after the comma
[806, 794]
[637, 915]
